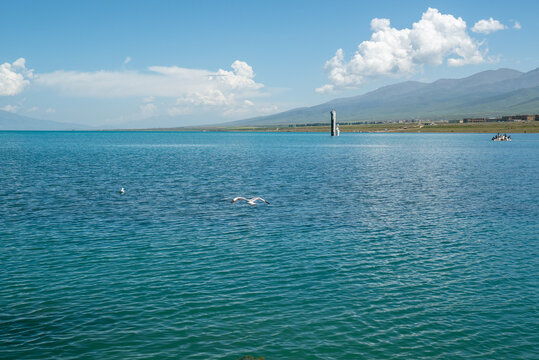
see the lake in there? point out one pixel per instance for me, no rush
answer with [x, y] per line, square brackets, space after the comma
[374, 246]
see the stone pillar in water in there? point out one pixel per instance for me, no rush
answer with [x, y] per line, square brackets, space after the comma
[333, 122]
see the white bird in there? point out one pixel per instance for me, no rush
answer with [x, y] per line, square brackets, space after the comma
[249, 201]
[122, 190]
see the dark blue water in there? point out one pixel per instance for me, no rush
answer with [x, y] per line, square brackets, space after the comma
[401, 246]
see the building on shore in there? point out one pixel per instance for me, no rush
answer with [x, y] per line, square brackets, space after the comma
[507, 118]
[520, 118]
[473, 120]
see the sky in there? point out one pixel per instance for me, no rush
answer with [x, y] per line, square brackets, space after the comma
[174, 63]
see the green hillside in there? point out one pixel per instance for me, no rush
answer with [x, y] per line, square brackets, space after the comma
[486, 94]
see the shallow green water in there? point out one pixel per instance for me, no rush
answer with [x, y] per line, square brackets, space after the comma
[382, 246]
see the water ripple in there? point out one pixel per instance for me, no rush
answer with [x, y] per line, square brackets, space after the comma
[401, 246]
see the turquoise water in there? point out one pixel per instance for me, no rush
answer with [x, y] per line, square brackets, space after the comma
[375, 246]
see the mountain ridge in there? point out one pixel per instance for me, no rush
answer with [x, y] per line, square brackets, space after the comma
[12, 121]
[487, 93]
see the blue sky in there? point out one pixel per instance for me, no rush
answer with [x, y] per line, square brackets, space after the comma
[162, 63]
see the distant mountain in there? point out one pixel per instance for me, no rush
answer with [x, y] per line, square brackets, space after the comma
[11, 121]
[488, 93]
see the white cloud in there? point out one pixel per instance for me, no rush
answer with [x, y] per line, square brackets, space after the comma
[488, 26]
[178, 110]
[50, 111]
[232, 86]
[14, 77]
[394, 52]
[248, 108]
[211, 97]
[148, 109]
[127, 60]
[10, 108]
[189, 87]
[517, 25]
[230, 108]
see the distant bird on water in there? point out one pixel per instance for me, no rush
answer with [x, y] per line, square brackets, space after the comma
[249, 201]
[122, 191]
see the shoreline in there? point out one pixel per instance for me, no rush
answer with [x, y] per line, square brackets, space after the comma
[531, 127]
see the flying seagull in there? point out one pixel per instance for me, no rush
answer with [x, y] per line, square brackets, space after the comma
[249, 201]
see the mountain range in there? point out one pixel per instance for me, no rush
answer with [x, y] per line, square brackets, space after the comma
[12, 121]
[489, 93]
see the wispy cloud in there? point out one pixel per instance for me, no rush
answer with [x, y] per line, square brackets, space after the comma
[517, 25]
[488, 26]
[148, 109]
[127, 60]
[400, 52]
[10, 108]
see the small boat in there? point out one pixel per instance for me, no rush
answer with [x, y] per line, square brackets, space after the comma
[503, 137]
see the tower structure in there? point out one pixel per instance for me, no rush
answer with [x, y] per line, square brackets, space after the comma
[333, 122]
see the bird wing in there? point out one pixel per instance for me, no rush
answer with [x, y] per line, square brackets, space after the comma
[238, 198]
[259, 198]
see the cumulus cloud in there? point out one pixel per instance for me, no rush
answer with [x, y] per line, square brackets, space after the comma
[488, 26]
[399, 52]
[517, 25]
[14, 77]
[229, 107]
